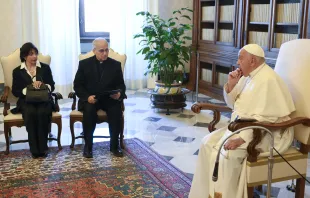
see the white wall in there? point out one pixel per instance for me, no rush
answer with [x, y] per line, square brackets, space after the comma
[10, 28]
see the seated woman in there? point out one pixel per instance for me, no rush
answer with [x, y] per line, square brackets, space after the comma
[37, 116]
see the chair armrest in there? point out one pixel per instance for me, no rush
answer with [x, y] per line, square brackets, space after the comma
[234, 126]
[4, 99]
[217, 109]
[257, 134]
[73, 96]
[197, 107]
[57, 96]
[5, 95]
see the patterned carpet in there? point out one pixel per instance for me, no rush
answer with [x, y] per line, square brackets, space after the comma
[65, 173]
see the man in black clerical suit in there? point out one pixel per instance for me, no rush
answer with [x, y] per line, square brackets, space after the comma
[95, 76]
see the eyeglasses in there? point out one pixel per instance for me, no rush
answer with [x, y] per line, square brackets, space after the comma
[103, 50]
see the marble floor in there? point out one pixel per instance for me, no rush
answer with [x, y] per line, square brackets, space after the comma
[176, 137]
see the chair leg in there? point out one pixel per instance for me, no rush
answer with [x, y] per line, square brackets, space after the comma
[122, 133]
[72, 132]
[59, 124]
[50, 127]
[10, 132]
[250, 192]
[300, 188]
[7, 141]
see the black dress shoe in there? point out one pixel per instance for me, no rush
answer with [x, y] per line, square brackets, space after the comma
[35, 156]
[118, 153]
[44, 155]
[87, 153]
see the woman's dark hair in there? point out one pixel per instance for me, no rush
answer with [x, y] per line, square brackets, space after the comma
[26, 49]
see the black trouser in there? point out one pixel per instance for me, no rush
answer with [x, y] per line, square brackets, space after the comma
[114, 112]
[37, 118]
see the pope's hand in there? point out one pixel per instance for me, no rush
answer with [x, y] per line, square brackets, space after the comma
[233, 79]
[232, 144]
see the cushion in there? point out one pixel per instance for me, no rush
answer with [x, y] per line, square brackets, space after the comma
[281, 170]
[76, 113]
[14, 117]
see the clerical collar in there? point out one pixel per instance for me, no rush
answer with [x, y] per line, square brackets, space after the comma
[253, 73]
[99, 62]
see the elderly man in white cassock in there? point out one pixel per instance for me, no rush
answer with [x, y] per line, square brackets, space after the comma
[253, 91]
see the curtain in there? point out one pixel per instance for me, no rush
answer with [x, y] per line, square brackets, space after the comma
[52, 25]
[58, 24]
[29, 21]
[125, 25]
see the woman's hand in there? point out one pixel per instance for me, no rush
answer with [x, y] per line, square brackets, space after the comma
[37, 84]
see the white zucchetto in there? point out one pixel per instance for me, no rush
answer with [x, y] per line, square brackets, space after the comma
[254, 49]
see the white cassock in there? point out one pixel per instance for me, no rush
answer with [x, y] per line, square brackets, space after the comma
[262, 96]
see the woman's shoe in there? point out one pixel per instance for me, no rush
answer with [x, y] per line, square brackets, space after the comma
[35, 156]
[44, 155]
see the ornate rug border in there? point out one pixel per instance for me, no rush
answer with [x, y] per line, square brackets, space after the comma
[162, 160]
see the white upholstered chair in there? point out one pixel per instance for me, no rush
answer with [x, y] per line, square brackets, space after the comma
[293, 65]
[77, 116]
[9, 63]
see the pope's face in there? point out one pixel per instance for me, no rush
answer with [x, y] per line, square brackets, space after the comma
[245, 61]
[101, 50]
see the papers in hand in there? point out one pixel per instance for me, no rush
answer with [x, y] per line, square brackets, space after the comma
[112, 92]
[108, 92]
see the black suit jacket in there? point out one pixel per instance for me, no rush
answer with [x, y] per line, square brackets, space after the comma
[87, 82]
[21, 79]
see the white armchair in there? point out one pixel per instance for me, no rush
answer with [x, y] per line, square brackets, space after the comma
[77, 116]
[9, 63]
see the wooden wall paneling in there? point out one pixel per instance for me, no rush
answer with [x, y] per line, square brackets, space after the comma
[195, 34]
[197, 19]
[307, 19]
[235, 25]
[216, 21]
[272, 23]
[217, 52]
[302, 20]
[246, 23]
[271, 28]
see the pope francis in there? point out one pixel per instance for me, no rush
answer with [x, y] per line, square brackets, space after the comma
[253, 91]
